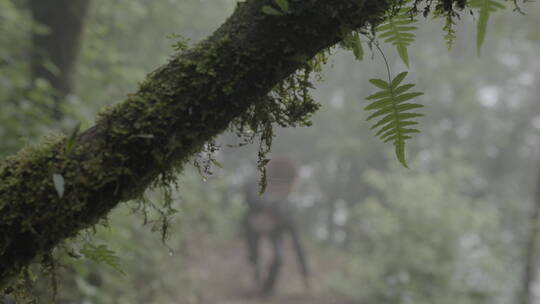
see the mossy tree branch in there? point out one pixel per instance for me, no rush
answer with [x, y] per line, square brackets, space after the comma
[177, 109]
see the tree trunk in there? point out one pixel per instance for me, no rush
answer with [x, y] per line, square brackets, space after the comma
[529, 256]
[147, 138]
[55, 52]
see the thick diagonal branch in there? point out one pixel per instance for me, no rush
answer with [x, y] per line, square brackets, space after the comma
[178, 108]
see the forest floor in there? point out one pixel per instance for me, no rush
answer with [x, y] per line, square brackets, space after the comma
[225, 277]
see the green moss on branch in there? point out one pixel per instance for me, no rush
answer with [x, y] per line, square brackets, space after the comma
[181, 106]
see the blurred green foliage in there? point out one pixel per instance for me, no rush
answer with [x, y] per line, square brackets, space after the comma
[429, 246]
[21, 105]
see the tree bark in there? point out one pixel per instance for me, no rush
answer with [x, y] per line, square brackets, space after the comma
[55, 52]
[148, 137]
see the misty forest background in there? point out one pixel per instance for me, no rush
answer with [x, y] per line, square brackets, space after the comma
[458, 227]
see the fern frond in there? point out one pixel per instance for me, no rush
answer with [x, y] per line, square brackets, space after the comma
[397, 31]
[394, 112]
[352, 42]
[102, 255]
[485, 7]
[450, 31]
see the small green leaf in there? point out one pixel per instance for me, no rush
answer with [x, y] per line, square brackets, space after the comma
[216, 163]
[398, 79]
[59, 184]
[402, 52]
[70, 143]
[408, 106]
[380, 112]
[102, 255]
[400, 153]
[393, 125]
[283, 5]
[268, 10]
[386, 119]
[404, 116]
[379, 104]
[485, 7]
[356, 45]
[379, 83]
[378, 95]
[407, 96]
[403, 88]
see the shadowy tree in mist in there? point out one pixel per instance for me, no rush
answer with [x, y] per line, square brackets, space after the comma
[56, 39]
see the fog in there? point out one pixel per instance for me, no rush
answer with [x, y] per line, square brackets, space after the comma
[458, 226]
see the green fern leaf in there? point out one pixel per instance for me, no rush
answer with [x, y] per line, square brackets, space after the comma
[283, 5]
[394, 112]
[352, 42]
[397, 31]
[283, 8]
[450, 35]
[485, 7]
[268, 10]
[102, 255]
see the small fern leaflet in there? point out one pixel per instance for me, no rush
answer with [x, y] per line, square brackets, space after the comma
[397, 31]
[283, 8]
[102, 255]
[352, 42]
[393, 111]
[485, 7]
[450, 35]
